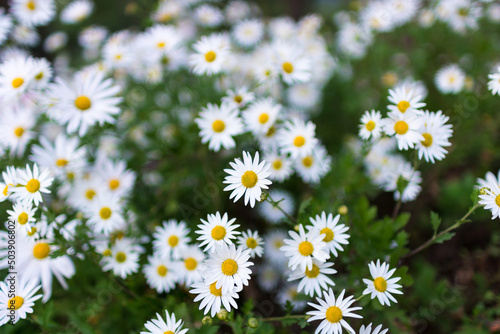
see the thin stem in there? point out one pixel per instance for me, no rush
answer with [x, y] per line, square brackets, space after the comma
[276, 205]
[285, 317]
[451, 228]
[397, 207]
[359, 298]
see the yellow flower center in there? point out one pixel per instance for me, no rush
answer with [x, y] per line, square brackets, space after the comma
[214, 291]
[307, 161]
[299, 141]
[15, 303]
[314, 272]
[121, 257]
[162, 270]
[82, 102]
[173, 241]
[403, 106]
[380, 284]
[61, 162]
[160, 45]
[190, 263]
[168, 332]
[6, 189]
[39, 76]
[328, 234]
[33, 186]
[306, 248]
[114, 183]
[107, 252]
[427, 140]
[238, 99]
[41, 250]
[370, 125]
[210, 56]
[105, 213]
[249, 179]
[31, 5]
[263, 118]
[33, 231]
[277, 164]
[229, 267]
[22, 218]
[333, 314]
[17, 82]
[18, 132]
[288, 67]
[90, 193]
[218, 126]
[251, 243]
[497, 200]
[271, 131]
[401, 127]
[218, 232]
[278, 244]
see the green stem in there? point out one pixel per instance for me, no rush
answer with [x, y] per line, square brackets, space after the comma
[276, 205]
[359, 298]
[300, 316]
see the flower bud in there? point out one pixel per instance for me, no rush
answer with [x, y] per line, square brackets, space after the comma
[222, 315]
[343, 210]
[253, 322]
[207, 320]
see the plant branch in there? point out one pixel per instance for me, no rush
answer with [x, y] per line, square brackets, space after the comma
[276, 205]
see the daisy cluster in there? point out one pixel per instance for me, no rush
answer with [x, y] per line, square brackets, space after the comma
[406, 127]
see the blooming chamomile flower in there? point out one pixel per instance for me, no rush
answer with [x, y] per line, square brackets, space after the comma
[160, 326]
[273, 241]
[211, 53]
[371, 125]
[298, 138]
[190, 266]
[31, 185]
[208, 16]
[17, 307]
[248, 33]
[106, 214]
[212, 298]
[313, 166]
[251, 241]
[16, 75]
[333, 311]
[123, 260]
[490, 194]
[404, 100]
[16, 129]
[8, 182]
[314, 280]
[334, 233]
[382, 285]
[247, 178]
[494, 83]
[115, 174]
[23, 214]
[261, 115]
[450, 79]
[291, 63]
[404, 127]
[77, 11]
[436, 135]
[33, 12]
[368, 330]
[280, 166]
[216, 231]
[160, 273]
[303, 247]
[171, 239]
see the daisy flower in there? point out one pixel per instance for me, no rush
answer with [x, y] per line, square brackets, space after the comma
[33, 12]
[238, 98]
[160, 273]
[291, 64]
[368, 330]
[9, 181]
[261, 115]
[304, 96]
[16, 75]
[450, 79]
[404, 127]
[42, 71]
[15, 129]
[160, 326]
[334, 234]
[171, 239]
[216, 231]
[247, 178]
[333, 311]
[280, 166]
[313, 166]
[273, 241]
[5, 25]
[436, 135]
[251, 241]
[213, 298]
[31, 185]
[314, 280]
[23, 214]
[190, 266]
[303, 247]
[298, 138]
[76, 11]
[218, 125]
[105, 214]
[248, 33]
[494, 83]
[267, 276]
[123, 260]
[115, 174]
[403, 170]
[21, 304]
[86, 189]
[208, 16]
[404, 100]
[228, 267]
[490, 196]
[211, 53]
[382, 286]
[371, 125]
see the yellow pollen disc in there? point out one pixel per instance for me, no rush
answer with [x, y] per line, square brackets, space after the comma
[403, 105]
[277, 164]
[190, 263]
[33, 231]
[214, 291]
[82, 102]
[287, 67]
[427, 140]
[380, 284]
[314, 272]
[168, 332]
[278, 244]
[333, 314]
[328, 234]
[41, 250]
[173, 241]
[118, 57]
[161, 45]
[22, 218]
[17, 82]
[401, 127]
[271, 131]
[107, 252]
[61, 162]
[210, 56]
[39, 76]
[162, 270]
[307, 161]
[251, 243]
[33, 186]
[263, 118]
[18, 132]
[15, 303]
[229, 267]
[114, 183]
[6, 189]
[31, 5]
[218, 232]
[105, 213]
[370, 125]
[249, 179]
[218, 126]
[299, 141]
[89, 194]
[121, 257]
[306, 248]
[238, 99]
[497, 200]
[70, 175]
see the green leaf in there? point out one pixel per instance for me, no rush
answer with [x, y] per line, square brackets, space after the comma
[304, 205]
[445, 237]
[401, 220]
[435, 221]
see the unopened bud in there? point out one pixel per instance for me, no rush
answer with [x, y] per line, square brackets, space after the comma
[222, 315]
[263, 196]
[253, 322]
[343, 210]
[207, 320]
[296, 228]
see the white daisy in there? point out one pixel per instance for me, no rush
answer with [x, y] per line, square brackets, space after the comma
[490, 196]
[450, 79]
[291, 63]
[212, 298]
[247, 178]
[261, 115]
[313, 166]
[382, 285]
[494, 83]
[208, 16]
[404, 127]
[160, 273]
[333, 311]
[436, 135]
[334, 234]
[368, 330]
[251, 241]
[248, 33]
[33, 12]
[190, 266]
[216, 231]
[14, 308]
[280, 166]
[8, 183]
[239, 97]
[105, 214]
[16, 75]
[24, 216]
[123, 260]
[298, 138]
[31, 185]
[405, 101]
[273, 241]
[171, 239]
[115, 174]
[16, 127]
[160, 326]
[314, 280]
[211, 55]
[76, 11]
[371, 125]
[5, 25]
